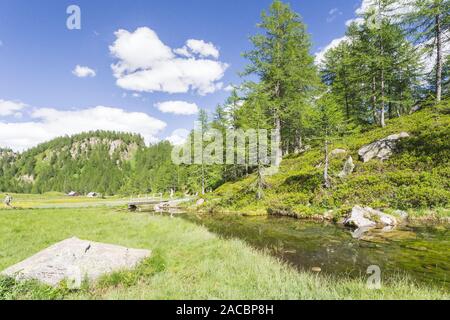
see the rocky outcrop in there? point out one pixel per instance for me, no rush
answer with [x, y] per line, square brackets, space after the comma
[125, 151]
[27, 178]
[415, 109]
[366, 217]
[349, 166]
[381, 149]
[8, 155]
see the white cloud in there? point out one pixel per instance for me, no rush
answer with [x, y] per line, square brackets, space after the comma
[11, 108]
[333, 14]
[83, 72]
[200, 47]
[146, 64]
[229, 88]
[46, 124]
[183, 51]
[178, 137]
[333, 44]
[395, 10]
[177, 107]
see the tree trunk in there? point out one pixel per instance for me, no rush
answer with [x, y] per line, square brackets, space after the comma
[260, 183]
[374, 99]
[298, 141]
[326, 177]
[382, 116]
[203, 178]
[439, 62]
[347, 107]
[279, 155]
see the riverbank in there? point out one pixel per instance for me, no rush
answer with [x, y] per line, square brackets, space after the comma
[188, 262]
[413, 216]
[413, 179]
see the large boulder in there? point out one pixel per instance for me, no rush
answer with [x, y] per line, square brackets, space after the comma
[381, 149]
[75, 260]
[348, 168]
[366, 217]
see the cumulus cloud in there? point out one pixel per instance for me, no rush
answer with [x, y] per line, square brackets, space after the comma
[178, 137]
[47, 123]
[11, 108]
[83, 72]
[146, 64]
[200, 47]
[177, 107]
[333, 44]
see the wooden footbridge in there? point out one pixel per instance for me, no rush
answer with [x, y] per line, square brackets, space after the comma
[134, 204]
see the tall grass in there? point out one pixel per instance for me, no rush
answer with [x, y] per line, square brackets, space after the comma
[187, 262]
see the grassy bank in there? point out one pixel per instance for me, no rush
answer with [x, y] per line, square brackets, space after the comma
[188, 262]
[415, 179]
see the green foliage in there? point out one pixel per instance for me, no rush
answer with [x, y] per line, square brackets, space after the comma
[373, 73]
[416, 176]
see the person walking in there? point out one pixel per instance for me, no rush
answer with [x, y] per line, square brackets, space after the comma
[8, 201]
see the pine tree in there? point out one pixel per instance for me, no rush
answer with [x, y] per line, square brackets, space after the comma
[429, 22]
[282, 61]
[375, 72]
[328, 119]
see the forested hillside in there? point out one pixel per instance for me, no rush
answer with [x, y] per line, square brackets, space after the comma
[95, 161]
[104, 162]
[363, 89]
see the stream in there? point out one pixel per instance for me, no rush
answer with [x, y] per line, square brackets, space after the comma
[422, 252]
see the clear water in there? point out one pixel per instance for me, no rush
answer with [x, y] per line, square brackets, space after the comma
[421, 252]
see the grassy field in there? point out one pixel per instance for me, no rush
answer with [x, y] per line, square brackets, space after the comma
[60, 200]
[188, 262]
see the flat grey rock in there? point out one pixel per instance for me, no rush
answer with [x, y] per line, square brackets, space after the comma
[75, 260]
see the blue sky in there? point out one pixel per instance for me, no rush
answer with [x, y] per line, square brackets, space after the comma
[38, 55]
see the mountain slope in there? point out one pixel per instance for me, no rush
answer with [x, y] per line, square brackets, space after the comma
[95, 161]
[416, 176]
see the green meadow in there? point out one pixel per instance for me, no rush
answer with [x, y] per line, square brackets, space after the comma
[187, 262]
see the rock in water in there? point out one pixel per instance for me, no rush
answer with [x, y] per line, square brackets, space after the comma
[75, 260]
[368, 218]
[348, 168]
[357, 218]
[381, 149]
